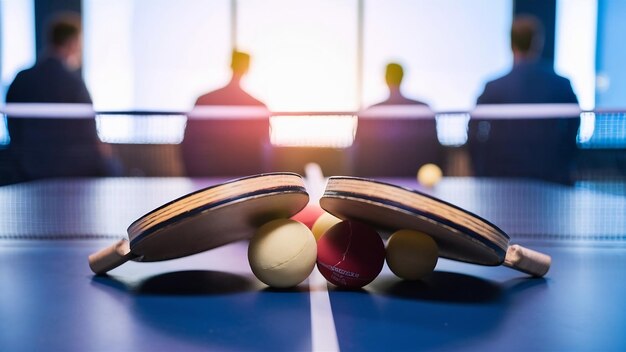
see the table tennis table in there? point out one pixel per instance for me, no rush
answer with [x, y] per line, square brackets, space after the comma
[50, 300]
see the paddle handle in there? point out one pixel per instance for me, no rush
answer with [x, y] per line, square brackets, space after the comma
[315, 181]
[110, 257]
[527, 260]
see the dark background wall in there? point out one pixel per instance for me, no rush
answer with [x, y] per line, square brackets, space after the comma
[545, 10]
[43, 10]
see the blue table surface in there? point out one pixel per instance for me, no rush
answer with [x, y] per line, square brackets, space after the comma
[49, 299]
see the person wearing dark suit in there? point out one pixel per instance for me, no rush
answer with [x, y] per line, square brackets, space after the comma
[51, 147]
[394, 74]
[535, 148]
[530, 81]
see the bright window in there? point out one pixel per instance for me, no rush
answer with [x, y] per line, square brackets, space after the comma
[448, 48]
[304, 53]
[155, 54]
[575, 47]
[17, 46]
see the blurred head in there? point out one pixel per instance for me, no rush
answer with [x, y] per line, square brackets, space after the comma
[240, 63]
[394, 75]
[64, 38]
[526, 36]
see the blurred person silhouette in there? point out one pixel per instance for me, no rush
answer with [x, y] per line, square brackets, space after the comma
[530, 81]
[404, 144]
[540, 148]
[222, 145]
[56, 147]
[232, 93]
[394, 73]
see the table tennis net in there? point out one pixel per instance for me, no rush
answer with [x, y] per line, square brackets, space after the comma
[388, 141]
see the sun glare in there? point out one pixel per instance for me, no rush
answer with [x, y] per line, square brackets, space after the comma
[331, 131]
[303, 53]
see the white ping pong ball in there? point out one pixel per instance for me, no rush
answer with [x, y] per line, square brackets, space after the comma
[411, 255]
[429, 175]
[282, 253]
[323, 223]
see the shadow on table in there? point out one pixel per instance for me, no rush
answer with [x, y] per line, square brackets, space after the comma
[442, 287]
[214, 310]
[451, 287]
[192, 282]
[445, 309]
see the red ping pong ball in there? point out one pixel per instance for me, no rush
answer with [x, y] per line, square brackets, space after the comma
[309, 215]
[350, 254]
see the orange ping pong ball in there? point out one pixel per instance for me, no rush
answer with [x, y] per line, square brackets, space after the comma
[350, 254]
[429, 175]
[323, 223]
[282, 253]
[411, 255]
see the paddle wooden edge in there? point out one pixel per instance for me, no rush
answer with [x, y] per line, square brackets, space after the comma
[110, 257]
[527, 260]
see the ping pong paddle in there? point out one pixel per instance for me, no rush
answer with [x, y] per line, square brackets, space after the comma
[460, 235]
[206, 219]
